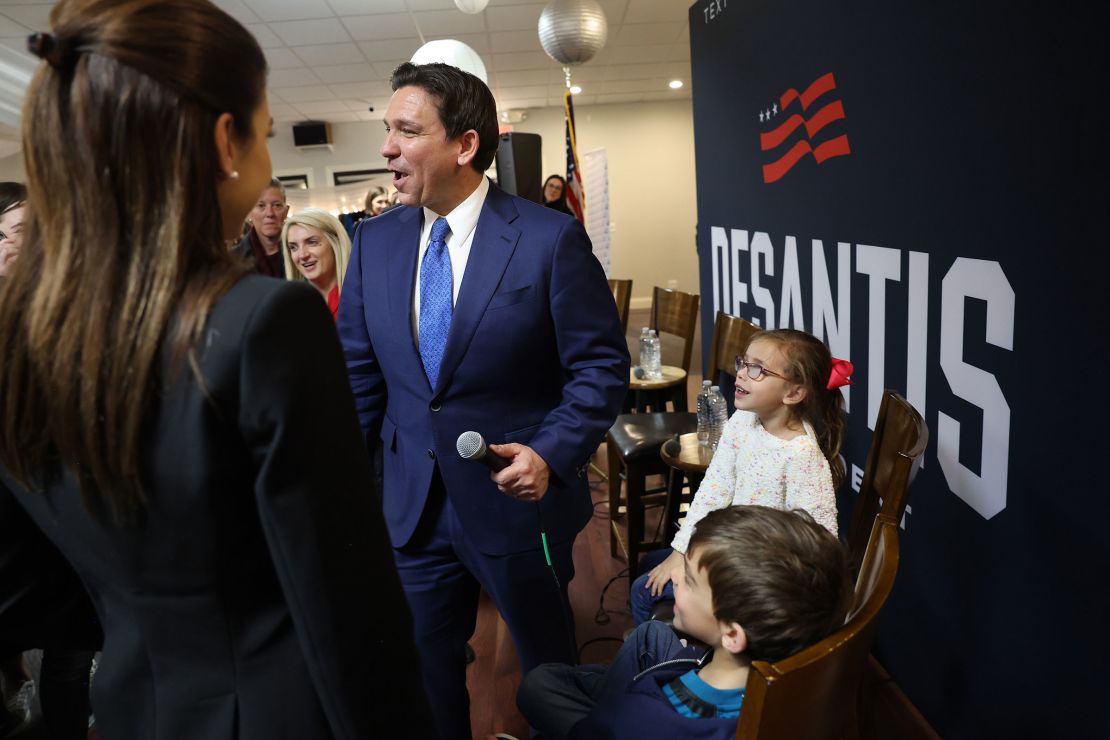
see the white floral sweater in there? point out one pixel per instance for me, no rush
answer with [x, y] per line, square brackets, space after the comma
[752, 466]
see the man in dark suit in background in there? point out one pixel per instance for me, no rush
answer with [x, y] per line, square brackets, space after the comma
[475, 310]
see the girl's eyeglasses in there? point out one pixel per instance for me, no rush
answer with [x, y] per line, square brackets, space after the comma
[755, 370]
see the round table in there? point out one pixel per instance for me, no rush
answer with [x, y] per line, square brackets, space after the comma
[687, 459]
[652, 395]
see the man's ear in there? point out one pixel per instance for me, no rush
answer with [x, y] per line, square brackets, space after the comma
[795, 394]
[468, 147]
[223, 136]
[733, 638]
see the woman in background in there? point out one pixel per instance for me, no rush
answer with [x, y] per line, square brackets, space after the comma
[153, 422]
[377, 201]
[13, 205]
[555, 194]
[316, 248]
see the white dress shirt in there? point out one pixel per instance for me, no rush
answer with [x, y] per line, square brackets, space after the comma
[463, 220]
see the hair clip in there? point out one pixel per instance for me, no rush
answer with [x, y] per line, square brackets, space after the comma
[840, 374]
[45, 46]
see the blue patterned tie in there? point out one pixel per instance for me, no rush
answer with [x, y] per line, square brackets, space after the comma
[435, 300]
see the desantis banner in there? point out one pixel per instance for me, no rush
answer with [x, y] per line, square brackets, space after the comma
[918, 184]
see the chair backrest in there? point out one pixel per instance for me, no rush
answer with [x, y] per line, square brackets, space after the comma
[622, 294]
[812, 694]
[731, 335]
[897, 448]
[675, 312]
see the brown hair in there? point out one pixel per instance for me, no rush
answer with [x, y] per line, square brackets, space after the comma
[778, 574]
[809, 363]
[12, 195]
[118, 139]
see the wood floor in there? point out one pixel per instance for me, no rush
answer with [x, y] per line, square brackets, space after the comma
[494, 675]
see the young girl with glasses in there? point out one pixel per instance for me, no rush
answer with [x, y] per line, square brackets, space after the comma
[780, 449]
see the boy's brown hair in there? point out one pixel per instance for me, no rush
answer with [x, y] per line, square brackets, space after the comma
[778, 574]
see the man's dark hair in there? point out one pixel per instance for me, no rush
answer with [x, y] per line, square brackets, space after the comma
[11, 195]
[778, 574]
[464, 103]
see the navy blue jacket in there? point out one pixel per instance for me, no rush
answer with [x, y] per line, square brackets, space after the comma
[644, 711]
[535, 355]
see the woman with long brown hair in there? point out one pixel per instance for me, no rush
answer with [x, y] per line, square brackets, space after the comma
[152, 416]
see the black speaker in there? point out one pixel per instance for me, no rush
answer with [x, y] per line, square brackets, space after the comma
[519, 164]
[311, 133]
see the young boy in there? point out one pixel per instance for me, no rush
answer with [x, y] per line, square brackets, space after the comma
[756, 584]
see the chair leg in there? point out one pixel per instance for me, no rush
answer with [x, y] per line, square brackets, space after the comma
[614, 492]
[675, 480]
[634, 497]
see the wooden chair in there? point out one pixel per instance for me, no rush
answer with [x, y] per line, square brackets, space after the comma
[894, 457]
[676, 313]
[634, 442]
[813, 694]
[622, 294]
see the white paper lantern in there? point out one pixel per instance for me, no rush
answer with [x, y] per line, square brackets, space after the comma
[572, 31]
[452, 52]
[473, 7]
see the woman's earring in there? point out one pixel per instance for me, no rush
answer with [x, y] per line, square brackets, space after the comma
[233, 175]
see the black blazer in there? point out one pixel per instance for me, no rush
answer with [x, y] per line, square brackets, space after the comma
[258, 597]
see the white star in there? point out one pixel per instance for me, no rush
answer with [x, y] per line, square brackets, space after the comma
[761, 116]
[775, 108]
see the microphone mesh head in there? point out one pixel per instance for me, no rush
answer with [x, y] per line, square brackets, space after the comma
[470, 445]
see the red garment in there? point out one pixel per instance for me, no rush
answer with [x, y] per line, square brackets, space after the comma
[333, 303]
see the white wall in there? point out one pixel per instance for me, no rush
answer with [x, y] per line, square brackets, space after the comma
[651, 179]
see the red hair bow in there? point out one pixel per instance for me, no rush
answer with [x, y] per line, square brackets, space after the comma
[841, 374]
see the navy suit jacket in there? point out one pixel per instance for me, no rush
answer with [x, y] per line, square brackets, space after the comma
[535, 355]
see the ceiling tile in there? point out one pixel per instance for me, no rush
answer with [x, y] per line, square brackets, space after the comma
[652, 11]
[334, 73]
[615, 10]
[355, 106]
[266, 38]
[434, 5]
[384, 70]
[680, 94]
[377, 27]
[584, 73]
[509, 41]
[522, 103]
[289, 10]
[370, 116]
[302, 33]
[449, 22]
[670, 70]
[621, 98]
[513, 18]
[636, 54]
[378, 51]
[479, 42]
[533, 77]
[309, 111]
[328, 54]
[345, 8]
[11, 29]
[282, 57]
[237, 10]
[362, 90]
[34, 17]
[637, 34]
[523, 60]
[281, 110]
[533, 91]
[327, 106]
[282, 78]
[305, 94]
[633, 86]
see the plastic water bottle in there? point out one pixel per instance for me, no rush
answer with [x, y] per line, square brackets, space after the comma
[645, 352]
[718, 411]
[656, 368]
[704, 419]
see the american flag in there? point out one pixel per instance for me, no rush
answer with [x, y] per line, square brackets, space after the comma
[576, 196]
[821, 148]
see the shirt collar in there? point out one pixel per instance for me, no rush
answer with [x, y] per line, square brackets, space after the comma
[464, 217]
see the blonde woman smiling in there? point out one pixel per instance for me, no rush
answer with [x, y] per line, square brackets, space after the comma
[316, 249]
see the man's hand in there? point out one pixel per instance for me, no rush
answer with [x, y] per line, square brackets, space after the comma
[526, 477]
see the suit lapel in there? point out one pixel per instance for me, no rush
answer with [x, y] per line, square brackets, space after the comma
[401, 255]
[494, 242]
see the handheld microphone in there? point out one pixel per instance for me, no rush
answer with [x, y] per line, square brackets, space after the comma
[471, 446]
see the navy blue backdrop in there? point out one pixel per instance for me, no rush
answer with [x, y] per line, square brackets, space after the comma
[921, 186]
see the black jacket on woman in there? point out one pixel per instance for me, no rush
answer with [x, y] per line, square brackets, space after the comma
[256, 598]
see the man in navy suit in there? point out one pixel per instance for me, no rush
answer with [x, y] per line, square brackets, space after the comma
[475, 310]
